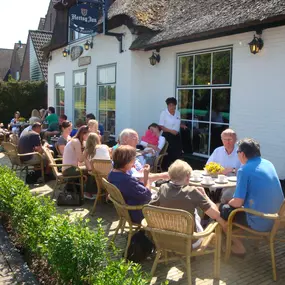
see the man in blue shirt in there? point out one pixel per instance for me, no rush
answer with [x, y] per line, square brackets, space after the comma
[258, 188]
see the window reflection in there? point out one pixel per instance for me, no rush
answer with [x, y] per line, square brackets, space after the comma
[185, 104]
[185, 70]
[202, 69]
[221, 67]
[202, 104]
[200, 137]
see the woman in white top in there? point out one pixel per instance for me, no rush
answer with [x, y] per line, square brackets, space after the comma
[95, 150]
[169, 122]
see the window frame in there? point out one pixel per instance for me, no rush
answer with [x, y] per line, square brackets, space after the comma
[61, 87]
[73, 89]
[210, 87]
[103, 85]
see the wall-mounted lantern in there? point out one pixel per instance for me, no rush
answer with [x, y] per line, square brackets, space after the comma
[256, 44]
[88, 44]
[65, 52]
[155, 58]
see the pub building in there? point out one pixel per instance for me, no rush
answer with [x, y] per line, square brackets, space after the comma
[223, 61]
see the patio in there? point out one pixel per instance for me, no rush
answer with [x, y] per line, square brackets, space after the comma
[255, 268]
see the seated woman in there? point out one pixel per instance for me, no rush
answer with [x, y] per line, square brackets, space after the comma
[133, 191]
[13, 124]
[66, 128]
[178, 194]
[73, 155]
[152, 142]
[35, 117]
[95, 150]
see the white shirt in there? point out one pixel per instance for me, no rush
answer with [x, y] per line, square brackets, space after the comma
[102, 152]
[26, 130]
[226, 160]
[161, 143]
[169, 121]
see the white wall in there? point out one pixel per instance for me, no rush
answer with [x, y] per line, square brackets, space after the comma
[257, 96]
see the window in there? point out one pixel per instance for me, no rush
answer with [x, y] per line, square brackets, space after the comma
[79, 94]
[17, 75]
[73, 35]
[204, 91]
[59, 94]
[106, 80]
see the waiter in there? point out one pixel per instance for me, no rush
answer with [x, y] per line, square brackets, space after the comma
[169, 122]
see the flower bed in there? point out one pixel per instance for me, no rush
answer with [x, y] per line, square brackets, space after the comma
[73, 253]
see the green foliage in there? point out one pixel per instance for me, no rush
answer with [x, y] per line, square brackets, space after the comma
[21, 96]
[76, 254]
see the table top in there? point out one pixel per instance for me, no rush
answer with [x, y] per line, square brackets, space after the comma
[215, 185]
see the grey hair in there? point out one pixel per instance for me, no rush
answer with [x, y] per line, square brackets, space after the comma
[125, 134]
[229, 132]
[250, 148]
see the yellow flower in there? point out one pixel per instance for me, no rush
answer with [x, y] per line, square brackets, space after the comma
[214, 168]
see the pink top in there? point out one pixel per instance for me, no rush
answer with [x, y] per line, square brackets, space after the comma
[150, 138]
[72, 153]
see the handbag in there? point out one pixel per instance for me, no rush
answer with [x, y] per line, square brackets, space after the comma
[70, 196]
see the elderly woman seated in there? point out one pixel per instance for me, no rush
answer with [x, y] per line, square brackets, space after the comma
[179, 195]
[133, 191]
[152, 143]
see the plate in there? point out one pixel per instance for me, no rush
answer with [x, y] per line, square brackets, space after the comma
[208, 184]
[220, 182]
[195, 180]
[232, 178]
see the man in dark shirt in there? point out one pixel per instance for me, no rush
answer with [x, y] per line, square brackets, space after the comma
[31, 142]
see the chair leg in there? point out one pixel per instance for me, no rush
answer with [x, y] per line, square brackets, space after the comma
[130, 234]
[217, 254]
[229, 243]
[158, 254]
[123, 227]
[273, 260]
[188, 269]
[117, 229]
[98, 196]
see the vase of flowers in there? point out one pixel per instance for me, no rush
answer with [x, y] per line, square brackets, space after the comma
[213, 168]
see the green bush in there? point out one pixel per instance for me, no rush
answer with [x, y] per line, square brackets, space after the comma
[76, 254]
[22, 96]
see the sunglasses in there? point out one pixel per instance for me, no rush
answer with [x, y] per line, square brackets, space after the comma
[239, 151]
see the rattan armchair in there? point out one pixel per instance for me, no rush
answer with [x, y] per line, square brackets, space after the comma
[159, 159]
[60, 179]
[122, 209]
[100, 169]
[172, 230]
[11, 150]
[241, 231]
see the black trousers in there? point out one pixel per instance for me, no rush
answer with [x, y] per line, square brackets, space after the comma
[174, 149]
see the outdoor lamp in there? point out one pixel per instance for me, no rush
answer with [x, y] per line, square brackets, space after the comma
[65, 52]
[88, 45]
[256, 45]
[155, 58]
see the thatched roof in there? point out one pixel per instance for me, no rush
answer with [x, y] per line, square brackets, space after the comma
[174, 21]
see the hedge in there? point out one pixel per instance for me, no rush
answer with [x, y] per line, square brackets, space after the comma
[76, 254]
[22, 96]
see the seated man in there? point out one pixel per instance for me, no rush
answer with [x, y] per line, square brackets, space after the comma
[92, 117]
[31, 142]
[227, 157]
[258, 188]
[53, 124]
[130, 137]
[178, 194]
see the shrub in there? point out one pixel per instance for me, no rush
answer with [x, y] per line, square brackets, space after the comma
[21, 96]
[76, 254]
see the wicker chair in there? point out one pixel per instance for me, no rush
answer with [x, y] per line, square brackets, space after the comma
[122, 209]
[172, 230]
[60, 179]
[11, 151]
[57, 149]
[159, 159]
[248, 233]
[100, 169]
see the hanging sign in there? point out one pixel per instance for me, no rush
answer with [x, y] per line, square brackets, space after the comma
[76, 52]
[84, 60]
[84, 17]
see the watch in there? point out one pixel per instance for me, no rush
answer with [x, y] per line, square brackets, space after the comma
[234, 170]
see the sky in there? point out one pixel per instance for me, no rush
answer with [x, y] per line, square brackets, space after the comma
[17, 17]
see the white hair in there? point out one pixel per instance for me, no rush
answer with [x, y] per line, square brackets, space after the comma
[125, 134]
